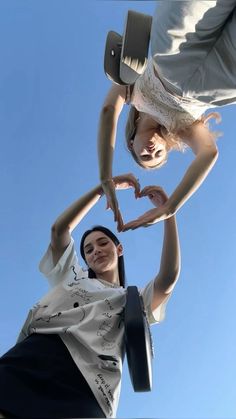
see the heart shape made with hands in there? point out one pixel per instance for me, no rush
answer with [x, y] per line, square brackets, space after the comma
[158, 198]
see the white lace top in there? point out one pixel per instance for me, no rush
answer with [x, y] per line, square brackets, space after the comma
[150, 96]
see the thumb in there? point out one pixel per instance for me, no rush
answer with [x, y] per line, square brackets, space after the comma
[108, 205]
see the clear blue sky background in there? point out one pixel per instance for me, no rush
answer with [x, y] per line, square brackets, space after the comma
[52, 87]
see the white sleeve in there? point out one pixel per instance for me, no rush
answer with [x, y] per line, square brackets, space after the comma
[157, 315]
[56, 273]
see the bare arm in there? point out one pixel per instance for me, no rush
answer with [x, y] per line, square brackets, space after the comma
[170, 258]
[170, 264]
[203, 145]
[71, 217]
[109, 116]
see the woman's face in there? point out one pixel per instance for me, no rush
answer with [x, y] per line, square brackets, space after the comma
[149, 148]
[101, 254]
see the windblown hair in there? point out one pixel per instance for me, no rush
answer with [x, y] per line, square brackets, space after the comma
[108, 233]
[174, 140]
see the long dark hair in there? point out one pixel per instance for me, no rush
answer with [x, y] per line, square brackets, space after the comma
[108, 233]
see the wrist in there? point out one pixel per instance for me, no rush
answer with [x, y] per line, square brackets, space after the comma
[169, 209]
[99, 190]
[107, 180]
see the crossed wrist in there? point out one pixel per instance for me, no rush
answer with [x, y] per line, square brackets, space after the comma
[104, 181]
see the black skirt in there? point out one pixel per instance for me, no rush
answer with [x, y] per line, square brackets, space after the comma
[39, 379]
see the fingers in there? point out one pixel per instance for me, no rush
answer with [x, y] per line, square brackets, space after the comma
[116, 213]
[128, 226]
[137, 189]
[133, 225]
[136, 186]
[127, 181]
[108, 205]
[151, 189]
[120, 223]
[115, 208]
[156, 194]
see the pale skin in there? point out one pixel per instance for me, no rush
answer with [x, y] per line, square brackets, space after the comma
[150, 148]
[102, 254]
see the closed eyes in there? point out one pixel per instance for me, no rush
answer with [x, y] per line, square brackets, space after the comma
[89, 249]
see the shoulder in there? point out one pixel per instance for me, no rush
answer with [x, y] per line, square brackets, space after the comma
[116, 93]
[55, 272]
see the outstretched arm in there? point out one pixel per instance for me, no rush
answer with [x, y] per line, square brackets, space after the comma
[71, 217]
[170, 258]
[203, 145]
[109, 116]
[202, 142]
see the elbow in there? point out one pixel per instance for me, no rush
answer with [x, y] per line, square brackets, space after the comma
[57, 230]
[209, 156]
[167, 281]
[174, 276]
[177, 274]
[107, 111]
[171, 281]
[213, 153]
[54, 230]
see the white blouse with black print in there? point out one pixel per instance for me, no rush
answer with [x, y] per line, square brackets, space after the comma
[88, 315]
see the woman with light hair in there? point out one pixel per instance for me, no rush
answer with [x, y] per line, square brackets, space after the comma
[192, 69]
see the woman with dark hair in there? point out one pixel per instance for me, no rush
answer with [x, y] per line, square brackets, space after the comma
[108, 233]
[68, 358]
[191, 70]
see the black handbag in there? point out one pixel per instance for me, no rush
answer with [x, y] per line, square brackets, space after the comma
[138, 341]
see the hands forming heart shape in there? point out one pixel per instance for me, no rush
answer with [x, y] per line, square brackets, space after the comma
[155, 193]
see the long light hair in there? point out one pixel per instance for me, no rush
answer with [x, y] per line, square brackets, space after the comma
[174, 140]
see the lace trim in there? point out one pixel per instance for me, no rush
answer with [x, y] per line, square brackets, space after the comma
[150, 96]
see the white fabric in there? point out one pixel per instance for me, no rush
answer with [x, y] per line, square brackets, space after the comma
[150, 96]
[193, 52]
[88, 315]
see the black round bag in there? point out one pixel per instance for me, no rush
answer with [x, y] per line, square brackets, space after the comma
[138, 341]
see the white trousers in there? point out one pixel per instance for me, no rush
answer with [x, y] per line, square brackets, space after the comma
[193, 44]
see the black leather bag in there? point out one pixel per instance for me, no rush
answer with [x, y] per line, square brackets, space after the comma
[138, 341]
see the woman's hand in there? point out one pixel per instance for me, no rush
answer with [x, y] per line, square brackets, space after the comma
[109, 190]
[159, 199]
[156, 195]
[125, 181]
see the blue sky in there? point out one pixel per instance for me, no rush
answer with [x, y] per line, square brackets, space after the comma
[52, 86]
